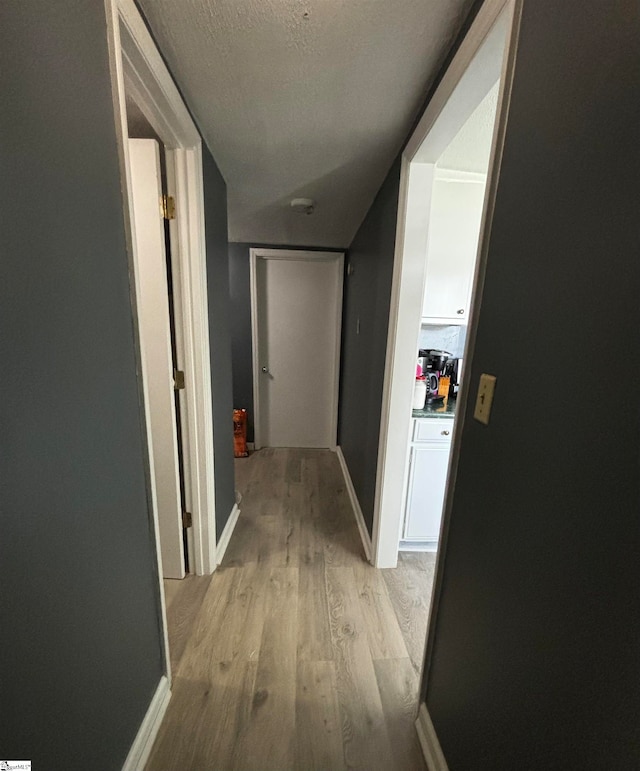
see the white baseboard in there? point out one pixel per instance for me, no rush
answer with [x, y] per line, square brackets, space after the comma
[431, 748]
[142, 744]
[424, 546]
[227, 533]
[364, 533]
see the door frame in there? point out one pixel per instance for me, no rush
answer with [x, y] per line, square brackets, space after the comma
[256, 253]
[137, 68]
[419, 157]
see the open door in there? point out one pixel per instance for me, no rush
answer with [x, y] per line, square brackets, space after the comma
[155, 338]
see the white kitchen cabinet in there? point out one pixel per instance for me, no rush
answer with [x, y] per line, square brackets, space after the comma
[429, 463]
[432, 430]
[454, 228]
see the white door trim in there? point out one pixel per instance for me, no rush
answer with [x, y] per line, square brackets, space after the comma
[135, 60]
[431, 749]
[192, 339]
[292, 254]
[355, 504]
[143, 743]
[409, 272]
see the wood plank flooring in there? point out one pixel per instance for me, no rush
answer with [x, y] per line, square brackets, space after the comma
[183, 600]
[296, 654]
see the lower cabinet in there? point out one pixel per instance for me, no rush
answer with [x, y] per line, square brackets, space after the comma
[429, 463]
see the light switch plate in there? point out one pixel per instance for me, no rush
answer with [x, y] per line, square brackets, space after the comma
[486, 388]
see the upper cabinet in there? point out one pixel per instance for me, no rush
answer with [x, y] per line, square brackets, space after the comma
[454, 228]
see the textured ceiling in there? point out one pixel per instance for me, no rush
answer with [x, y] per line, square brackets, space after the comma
[469, 150]
[303, 98]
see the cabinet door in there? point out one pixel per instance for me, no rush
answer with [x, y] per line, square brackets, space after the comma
[454, 227]
[427, 481]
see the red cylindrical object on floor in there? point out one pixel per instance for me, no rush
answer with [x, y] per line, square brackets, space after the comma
[240, 434]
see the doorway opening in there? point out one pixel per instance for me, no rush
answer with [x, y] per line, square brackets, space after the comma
[447, 189]
[168, 268]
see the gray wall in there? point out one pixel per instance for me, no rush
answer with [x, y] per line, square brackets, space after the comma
[535, 641]
[80, 656]
[215, 201]
[240, 327]
[240, 322]
[367, 294]
[81, 651]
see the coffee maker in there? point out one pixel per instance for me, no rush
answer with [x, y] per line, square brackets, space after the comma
[454, 372]
[434, 363]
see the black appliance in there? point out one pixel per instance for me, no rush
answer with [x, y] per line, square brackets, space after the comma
[437, 360]
[434, 363]
[433, 360]
[453, 370]
[432, 379]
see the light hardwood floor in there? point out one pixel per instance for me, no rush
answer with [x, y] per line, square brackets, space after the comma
[296, 654]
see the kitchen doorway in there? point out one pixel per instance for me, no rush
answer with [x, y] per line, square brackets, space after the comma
[444, 219]
[296, 316]
[481, 67]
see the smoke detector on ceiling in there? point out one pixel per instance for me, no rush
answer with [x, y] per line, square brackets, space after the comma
[303, 205]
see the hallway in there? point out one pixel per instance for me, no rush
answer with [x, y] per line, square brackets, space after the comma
[296, 654]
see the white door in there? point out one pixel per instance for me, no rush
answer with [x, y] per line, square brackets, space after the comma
[155, 336]
[297, 311]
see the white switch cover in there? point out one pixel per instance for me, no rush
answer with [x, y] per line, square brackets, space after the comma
[486, 388]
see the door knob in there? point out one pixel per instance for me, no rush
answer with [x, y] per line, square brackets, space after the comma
[265, 369]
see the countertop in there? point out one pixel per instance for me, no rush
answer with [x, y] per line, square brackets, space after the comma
[443, 409]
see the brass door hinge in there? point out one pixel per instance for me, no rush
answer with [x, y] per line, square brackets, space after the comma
[178, 380]
[187, 520]
[168, 207]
